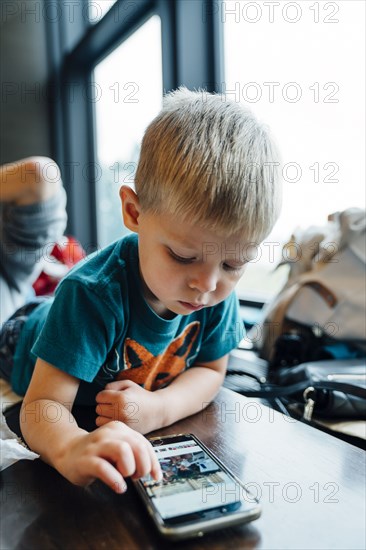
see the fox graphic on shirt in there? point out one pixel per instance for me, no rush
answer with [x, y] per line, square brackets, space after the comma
[153, 372]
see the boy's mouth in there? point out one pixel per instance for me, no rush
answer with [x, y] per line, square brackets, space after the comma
[190, 306]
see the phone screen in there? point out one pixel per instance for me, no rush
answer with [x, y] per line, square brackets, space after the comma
[192, 480]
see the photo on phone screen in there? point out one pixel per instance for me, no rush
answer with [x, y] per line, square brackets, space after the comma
[197, 492]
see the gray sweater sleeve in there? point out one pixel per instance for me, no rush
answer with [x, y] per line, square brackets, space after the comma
[27, 236]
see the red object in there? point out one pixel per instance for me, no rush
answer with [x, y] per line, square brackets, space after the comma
[63, 257]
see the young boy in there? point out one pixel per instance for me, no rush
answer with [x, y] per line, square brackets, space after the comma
[144, 327]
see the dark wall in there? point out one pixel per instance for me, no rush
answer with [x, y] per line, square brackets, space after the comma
[24, 115]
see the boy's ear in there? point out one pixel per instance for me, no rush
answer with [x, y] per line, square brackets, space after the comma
[130, 208]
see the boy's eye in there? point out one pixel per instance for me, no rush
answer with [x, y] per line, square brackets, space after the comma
[233, 268]
[180, 259]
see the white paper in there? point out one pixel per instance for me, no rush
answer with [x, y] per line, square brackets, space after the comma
[12, 448]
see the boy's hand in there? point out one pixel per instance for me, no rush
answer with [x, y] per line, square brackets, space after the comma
[110, 453]
[126, 401]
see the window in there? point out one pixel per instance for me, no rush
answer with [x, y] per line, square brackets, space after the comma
[98, 9]
[110, 55]
[129, 82]
[300, 66]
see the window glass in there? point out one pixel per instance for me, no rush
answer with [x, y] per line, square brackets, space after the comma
[129, 87]
[300, 66]
[98, 9]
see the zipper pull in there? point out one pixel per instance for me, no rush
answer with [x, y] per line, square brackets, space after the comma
[309, 398]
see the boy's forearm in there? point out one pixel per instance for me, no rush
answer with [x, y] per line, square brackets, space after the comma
[49, 429]
[189, 393]
[111, 453]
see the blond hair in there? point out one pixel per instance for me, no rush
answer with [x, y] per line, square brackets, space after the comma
[211, 162]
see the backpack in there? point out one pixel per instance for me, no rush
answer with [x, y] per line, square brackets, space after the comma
[321, 311]
[313, 337]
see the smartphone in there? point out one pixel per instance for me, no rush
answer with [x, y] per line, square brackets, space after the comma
[197, 494]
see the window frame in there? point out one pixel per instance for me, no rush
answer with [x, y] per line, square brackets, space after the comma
[76, 46]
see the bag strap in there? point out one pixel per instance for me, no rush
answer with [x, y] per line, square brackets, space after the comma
[269, 390]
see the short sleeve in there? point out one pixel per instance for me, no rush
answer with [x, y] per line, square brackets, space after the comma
[79, 331]
[223, 331]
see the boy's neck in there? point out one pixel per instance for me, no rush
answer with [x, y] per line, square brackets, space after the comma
[154, 303]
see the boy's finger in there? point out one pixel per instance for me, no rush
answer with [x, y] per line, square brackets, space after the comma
[101, 420]
[156, 472]
[120, 454]
[144, 460]
[105, 409]
[119, 385]
[106, 472]
[103, 396]
[126, 460]
[108, 396]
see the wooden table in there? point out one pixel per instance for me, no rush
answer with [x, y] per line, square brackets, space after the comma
[311, 486]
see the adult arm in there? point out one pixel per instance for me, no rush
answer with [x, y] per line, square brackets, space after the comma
[30, 180]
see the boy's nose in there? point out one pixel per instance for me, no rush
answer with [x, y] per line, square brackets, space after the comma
[203, 282]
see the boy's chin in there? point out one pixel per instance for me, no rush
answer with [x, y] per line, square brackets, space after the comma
[168, 311]
[171, 310]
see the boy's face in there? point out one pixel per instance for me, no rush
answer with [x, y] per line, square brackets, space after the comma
[185, 267]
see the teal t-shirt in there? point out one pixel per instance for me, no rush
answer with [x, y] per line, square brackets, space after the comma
[99, 328]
